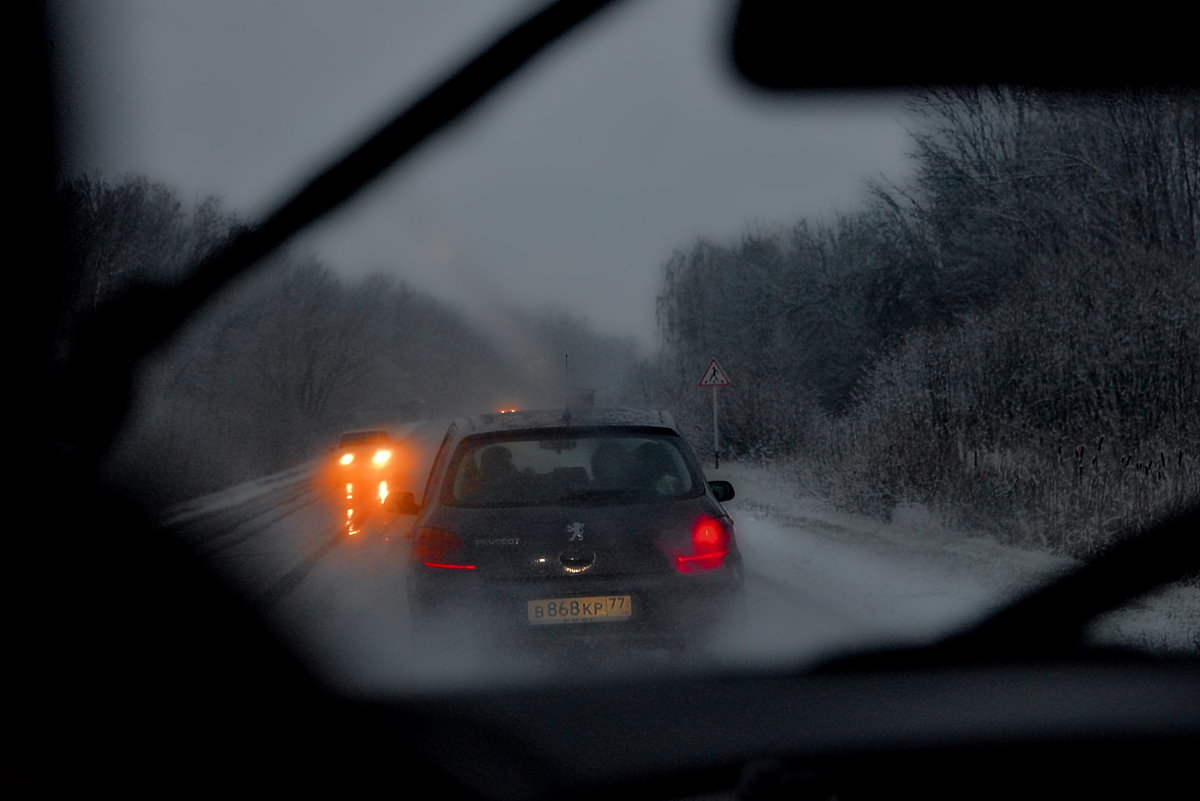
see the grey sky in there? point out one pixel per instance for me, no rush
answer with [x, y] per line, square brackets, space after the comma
[572, 186]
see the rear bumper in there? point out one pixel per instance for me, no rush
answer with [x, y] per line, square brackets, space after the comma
[680, 608]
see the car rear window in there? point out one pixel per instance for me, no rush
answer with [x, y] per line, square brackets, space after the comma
[593, 468]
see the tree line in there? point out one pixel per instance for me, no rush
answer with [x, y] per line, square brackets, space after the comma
[1010, 336]
[273, 371]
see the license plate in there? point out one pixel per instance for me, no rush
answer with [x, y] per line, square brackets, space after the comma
[592, 609]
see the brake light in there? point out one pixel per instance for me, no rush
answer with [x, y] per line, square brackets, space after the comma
[347, 458]
[381, 457]
[710, 546]
[436, 547]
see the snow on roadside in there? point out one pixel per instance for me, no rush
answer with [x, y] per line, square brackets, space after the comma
[233, 496]
[917, 577]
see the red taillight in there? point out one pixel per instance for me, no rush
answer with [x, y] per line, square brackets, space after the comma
[436, 547]
[710, 546]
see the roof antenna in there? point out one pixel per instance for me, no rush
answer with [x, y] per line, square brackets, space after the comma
[567, 388]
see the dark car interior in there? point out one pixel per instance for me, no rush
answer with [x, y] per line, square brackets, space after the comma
[133, 670]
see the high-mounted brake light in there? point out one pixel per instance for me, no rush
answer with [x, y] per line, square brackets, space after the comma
[710, 546]
[439, 548]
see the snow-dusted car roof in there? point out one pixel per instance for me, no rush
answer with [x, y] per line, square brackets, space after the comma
[558, 418]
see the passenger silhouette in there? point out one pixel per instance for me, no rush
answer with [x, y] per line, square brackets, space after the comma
[496, 471]
[610, 466]
[655, 470]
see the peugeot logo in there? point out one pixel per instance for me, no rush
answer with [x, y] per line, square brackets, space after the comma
[575, 530]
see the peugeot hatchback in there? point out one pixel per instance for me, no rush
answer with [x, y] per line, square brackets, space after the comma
[563, 525]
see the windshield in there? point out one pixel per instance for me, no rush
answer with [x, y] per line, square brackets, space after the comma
[598, 467]
[943, 343]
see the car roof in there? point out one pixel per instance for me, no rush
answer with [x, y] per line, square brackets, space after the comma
[363, 435]
[563, 418]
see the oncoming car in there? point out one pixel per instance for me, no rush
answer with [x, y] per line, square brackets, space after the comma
[561, 525]
[361, 470]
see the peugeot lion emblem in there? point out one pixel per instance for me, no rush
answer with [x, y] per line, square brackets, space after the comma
[576, 532]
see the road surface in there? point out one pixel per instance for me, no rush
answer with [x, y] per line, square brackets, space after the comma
[818, 581]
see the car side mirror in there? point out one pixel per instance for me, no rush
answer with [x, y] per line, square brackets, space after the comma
[402, 503]
[723, 490]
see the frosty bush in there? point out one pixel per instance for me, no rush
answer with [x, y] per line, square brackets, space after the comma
[1063, 416]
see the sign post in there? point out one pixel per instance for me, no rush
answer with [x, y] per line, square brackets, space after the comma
[715, 377]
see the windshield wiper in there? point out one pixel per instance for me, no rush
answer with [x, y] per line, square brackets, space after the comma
[1052, 620]
[1055, 616]
[602, 495]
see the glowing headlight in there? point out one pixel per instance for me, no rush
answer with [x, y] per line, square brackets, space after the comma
[347, 458]
[381, 458]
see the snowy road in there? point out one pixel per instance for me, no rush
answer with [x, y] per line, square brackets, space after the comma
[817, 581]
[826, 580]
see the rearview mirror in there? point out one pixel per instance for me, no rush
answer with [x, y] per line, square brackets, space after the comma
[723, 490]
[773, 48]
[402, 503]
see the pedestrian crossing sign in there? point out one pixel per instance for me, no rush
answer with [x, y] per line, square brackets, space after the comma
[714, 376]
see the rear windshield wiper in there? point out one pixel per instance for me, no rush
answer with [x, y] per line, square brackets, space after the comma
[598, 495]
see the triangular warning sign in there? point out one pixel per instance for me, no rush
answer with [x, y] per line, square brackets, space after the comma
[714, 376]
